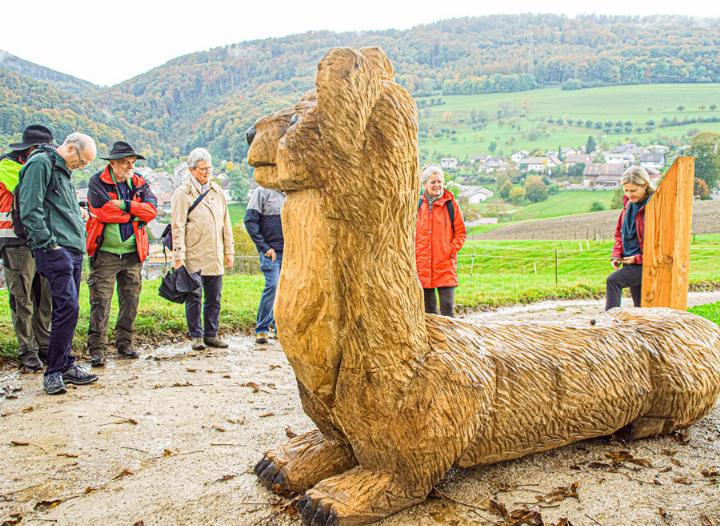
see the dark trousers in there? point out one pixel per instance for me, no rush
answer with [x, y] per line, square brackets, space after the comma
[627, 276]
[30, 300]
[62, 268]
[107, 270]
[447, 301]
[212, 291]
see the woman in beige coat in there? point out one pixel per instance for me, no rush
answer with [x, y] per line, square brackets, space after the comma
[203, 242]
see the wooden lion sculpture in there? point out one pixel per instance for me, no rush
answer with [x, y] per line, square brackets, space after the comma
[399, 396]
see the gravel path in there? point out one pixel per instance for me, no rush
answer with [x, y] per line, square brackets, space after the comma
[172, 438]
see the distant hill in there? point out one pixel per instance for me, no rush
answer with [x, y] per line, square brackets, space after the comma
[210, 98]
[60, 81]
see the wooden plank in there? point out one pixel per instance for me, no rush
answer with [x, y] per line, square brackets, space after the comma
[666, 250]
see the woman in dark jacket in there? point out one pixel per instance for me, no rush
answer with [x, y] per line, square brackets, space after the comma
[627, 254]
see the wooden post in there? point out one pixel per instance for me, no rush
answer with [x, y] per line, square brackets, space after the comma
[666, 248]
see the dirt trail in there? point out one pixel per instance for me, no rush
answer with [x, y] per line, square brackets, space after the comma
[172, 439]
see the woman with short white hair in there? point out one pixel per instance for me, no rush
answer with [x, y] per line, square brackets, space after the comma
[627, 253]
[439, 236]
[202, 242]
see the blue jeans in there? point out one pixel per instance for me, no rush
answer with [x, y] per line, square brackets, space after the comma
[61, 268]
[271, 271]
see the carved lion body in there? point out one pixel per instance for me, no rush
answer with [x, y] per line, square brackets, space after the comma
[400, 397]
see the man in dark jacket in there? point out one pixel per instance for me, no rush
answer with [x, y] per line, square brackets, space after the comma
[29, 293]
[53, 222]
[263, 224]
[121, 204]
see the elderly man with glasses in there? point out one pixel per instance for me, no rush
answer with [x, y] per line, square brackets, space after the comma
[53, 223]
[202, 242]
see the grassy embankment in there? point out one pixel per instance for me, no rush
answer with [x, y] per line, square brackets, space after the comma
[519, 121]
[492, 273]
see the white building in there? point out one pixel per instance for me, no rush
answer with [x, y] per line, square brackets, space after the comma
[449, 163]
[475, 194]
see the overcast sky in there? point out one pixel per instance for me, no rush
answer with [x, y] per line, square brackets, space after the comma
[108, 42]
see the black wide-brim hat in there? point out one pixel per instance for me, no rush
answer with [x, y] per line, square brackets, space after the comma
[120, 150]
[34, 135]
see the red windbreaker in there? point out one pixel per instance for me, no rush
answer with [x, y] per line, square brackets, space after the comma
[143, 205]
[436, 246]
[617, 251]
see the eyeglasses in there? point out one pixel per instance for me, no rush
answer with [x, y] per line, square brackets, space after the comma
[82, 161]
[205, 169]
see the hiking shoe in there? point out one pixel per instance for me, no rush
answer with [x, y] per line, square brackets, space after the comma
[31, 363]
[53, 384]
[261, 337]
[129, 352]
[197, 344]
[272, 333]
[97, 361]
[78, 375]
[214, 341]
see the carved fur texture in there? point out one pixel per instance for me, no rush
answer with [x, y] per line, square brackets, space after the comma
[399, 397]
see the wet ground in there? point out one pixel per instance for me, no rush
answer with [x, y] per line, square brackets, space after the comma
[172, 438]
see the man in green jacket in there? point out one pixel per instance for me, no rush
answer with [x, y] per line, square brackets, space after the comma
[28, 292]
[53, 223]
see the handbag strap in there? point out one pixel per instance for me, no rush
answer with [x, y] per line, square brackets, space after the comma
[197, 201]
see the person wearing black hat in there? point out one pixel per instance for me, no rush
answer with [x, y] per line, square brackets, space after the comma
[121, 204]
[54, 226]
[29, 293]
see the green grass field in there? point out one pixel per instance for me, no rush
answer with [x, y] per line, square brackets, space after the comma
[526, 112]
[565, 203]
[492, 273]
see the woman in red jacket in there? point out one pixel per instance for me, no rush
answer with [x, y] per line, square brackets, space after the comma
[627, 254]
[439, 235]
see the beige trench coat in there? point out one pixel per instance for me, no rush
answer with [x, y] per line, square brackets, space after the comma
[203, 239]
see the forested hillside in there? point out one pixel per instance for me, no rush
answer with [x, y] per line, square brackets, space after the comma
[210, 98]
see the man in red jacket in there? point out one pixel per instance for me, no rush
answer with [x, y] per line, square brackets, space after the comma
[121, 204]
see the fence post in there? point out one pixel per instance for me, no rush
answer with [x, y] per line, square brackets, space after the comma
[472, 264]
[556, 268]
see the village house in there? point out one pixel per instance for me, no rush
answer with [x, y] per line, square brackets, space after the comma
[449, 163]
[606, 175]
[536, 164]
[571, 159]
[491, 165]
[475, 194]
[519, 156]
[652, 159]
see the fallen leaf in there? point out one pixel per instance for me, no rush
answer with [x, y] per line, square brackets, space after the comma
[561, 493]
[264, 415]
[68, 455]
[27, 409]
[290, 433]
[682, 480]
[13, 519]
[705, 520]
[178, 384]
[563, 522]
[273, 366]
[226, 376]
[89, 489]
[19, 443]
[252, 385]
[225, 478]
[524, 516]
[676, 462]
[139, 523]
[669, 452]
[47, 504]
[710, 472]
[682, 436]
[190, 370]
[168, 452]
[498, 508]
[218, 428]
[124, 473]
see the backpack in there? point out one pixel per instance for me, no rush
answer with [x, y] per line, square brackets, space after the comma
[166, 235]
[450, 209]
[18, 227]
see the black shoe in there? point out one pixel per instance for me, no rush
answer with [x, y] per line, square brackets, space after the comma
[78, 376]
[53, 384]
[214, 341]
[129, 352]
[31, 362]
[261, 337]
[97, 361]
